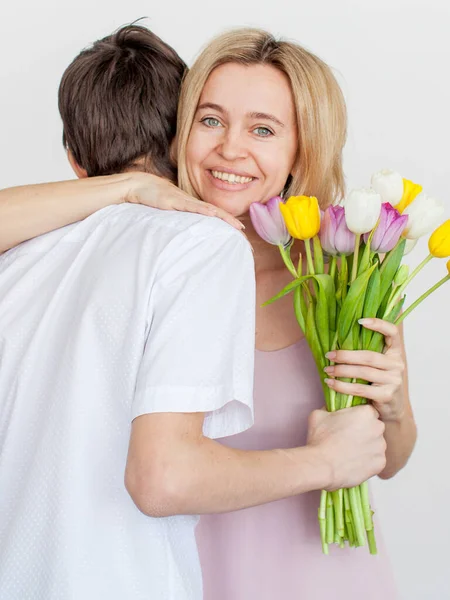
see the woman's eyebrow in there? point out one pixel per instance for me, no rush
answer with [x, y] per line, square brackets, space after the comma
[212, 106]
[265, 117]
[252, 115]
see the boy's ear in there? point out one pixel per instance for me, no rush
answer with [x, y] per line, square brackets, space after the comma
[79, 171]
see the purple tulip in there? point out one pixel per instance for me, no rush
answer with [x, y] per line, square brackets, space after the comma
[269, 223]
[335, 236]
[389, 229]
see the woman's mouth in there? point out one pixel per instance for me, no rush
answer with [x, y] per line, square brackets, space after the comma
[230, 181]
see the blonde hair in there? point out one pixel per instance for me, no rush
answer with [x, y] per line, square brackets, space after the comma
[319, 104]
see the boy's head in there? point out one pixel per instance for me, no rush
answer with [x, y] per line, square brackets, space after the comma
[118, 103]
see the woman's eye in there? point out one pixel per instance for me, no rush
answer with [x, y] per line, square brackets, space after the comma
[211, 122]
[263, 131]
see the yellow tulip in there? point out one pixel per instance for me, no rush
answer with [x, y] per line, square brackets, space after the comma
[410, 191]
[302, 216]
[439, 242]
[448, 266]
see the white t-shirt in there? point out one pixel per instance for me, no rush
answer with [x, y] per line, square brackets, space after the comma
[131, 311]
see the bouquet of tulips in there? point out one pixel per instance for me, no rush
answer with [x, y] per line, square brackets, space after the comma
[353, 270]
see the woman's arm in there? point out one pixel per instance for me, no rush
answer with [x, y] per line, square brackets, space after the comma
[31, 210]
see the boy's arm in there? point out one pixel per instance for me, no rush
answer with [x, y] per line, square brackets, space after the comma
[173, 468]
[195, 383]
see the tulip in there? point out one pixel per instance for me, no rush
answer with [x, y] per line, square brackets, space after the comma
[268, 222]
[402, 275]
[448, 266]
[389, 229]
[389, 184]
[409, 246]
[335, 236]
[362, 210]
[439, 242]
[425, 213]
[410, 192]
[302, 216]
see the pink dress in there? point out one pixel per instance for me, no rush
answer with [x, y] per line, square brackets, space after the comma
[273, 552]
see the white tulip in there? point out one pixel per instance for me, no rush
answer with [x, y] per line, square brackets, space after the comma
[389, 184]
[409, 246]
[424, 215]
[362, 210]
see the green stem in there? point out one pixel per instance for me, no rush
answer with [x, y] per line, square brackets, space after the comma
[286, 256]
[323, 521]
[330, 520]
[332, 270]
[421, 299]
[309, 257]
[400, 290]
[365, 502]
[338, 503]
[372, 541]
[355, 257]
[357, 516]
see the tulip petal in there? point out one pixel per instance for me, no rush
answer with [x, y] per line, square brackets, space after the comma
[268, 222]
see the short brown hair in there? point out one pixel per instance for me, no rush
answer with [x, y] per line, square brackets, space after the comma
[118, 103]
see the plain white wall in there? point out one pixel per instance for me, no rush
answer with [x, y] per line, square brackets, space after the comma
[392, 59]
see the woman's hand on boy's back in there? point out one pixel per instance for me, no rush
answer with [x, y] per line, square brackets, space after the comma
[158, 192]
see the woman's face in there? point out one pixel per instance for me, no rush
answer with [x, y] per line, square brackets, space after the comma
[243, 141]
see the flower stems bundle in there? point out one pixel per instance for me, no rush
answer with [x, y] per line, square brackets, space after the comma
[351, 269]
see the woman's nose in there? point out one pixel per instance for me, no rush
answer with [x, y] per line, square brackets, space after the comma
[232, 146]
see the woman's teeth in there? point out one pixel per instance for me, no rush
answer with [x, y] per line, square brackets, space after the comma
[231, 177]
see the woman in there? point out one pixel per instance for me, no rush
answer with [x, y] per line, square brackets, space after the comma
[259, 117]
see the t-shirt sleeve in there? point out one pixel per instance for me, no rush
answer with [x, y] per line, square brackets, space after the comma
[199, 352]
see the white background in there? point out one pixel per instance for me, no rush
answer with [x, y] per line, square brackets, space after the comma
[392, 59]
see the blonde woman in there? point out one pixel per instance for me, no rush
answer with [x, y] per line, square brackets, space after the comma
[259, 117]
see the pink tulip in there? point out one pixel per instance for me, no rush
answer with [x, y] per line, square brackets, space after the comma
[269, 223]
[389, 229]
[335, 236]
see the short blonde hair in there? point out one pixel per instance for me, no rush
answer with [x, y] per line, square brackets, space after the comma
[319, 103]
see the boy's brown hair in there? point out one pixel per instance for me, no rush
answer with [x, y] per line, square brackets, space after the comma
[118, 103]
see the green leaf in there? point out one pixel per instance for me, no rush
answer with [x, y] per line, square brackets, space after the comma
[318, 255]
[288, 289]
[377, 341]
[389, 268]
[371, 304]
[313, 340]
[364, 260]
[342, 280]
[353, 304]
[298, 308]
[322, 317]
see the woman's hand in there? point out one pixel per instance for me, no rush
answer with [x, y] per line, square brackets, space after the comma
[157, 192]
[385, 371]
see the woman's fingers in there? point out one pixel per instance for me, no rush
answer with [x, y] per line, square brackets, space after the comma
[378, 376]
[379, 394]
[364, 358]
[157, 192]
[389, 330]
[204, 208]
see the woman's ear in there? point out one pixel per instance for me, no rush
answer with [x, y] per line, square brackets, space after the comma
[79, 171]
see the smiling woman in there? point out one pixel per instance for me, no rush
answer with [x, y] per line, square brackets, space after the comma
[259, 118]
[271, 112]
